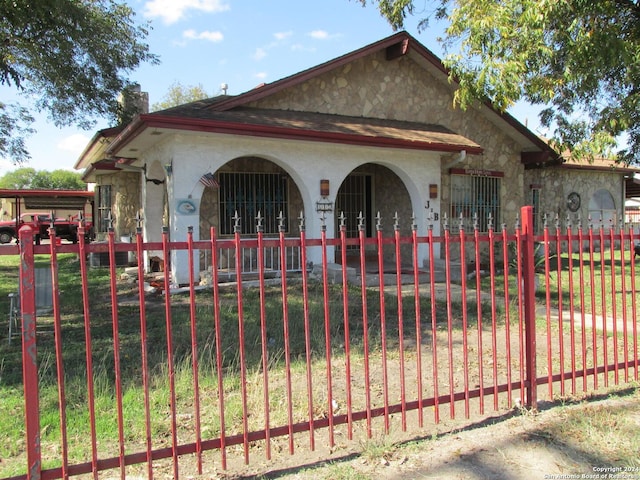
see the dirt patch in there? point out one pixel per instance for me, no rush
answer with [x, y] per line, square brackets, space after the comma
[511, 445]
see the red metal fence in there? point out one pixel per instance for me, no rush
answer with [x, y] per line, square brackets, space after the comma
[147, 380]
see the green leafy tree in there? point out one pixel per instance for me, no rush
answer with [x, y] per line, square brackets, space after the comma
[29, 178]
[179, 94]
[579, 60]
[71, 59]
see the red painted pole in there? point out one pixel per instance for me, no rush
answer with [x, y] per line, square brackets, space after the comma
[592, 282]
[603, 301]
[465, 341]
[560, 305]
[383, 317]
[116, 350]
[243, 358]
[170, 362]
[29, 353]
[218, 334]
[345, 315]
[634, 305]
[82, 253]
[447, 256]
[434, 327]
[507, 313]
[403, 396]
[287, 335]
[57, 334]
[327, 330]
[614, 306]
[365, 323]
[194, 350]
[572, 317]
[307, 330]
[623, 287]
[529, 305]
[418, 320]
[583, 332]
[264, 340]
[494, 315]
[547, 287]
[144, 349]
[476, 245]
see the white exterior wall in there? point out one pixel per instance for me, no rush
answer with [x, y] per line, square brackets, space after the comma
[306, 163]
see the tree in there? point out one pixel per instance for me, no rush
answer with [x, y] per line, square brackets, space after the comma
[28, 178]
[577, 59]
[70, 57]
[179, 95]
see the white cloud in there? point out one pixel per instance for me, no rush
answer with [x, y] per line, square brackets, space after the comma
[259, 54]
[74, 143]
[323, 35]
[261, 75]
[319, 34]
[170, 11]
[205, 35]
[282, 35]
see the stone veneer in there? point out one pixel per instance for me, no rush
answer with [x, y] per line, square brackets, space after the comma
[558, 182]
[403, 90]
[125, 201]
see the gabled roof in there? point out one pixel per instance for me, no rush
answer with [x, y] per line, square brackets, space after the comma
[230, 114]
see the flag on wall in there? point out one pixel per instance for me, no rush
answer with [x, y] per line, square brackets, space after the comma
[209, 180]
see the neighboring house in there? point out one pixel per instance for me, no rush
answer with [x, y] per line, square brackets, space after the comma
[593, 192]
[371, 131]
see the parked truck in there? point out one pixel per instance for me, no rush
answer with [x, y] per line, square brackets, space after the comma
[66, 228]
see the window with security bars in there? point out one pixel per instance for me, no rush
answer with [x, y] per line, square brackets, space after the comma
[248, 194]
[104, 207]
[476, 195]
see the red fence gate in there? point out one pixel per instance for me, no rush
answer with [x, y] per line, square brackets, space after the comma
[147, 379]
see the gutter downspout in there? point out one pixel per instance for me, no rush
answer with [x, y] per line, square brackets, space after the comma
[460, 158]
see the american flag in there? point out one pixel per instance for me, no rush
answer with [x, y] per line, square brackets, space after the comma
[209, 180]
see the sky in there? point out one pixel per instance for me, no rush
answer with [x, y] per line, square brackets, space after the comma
[238, 43]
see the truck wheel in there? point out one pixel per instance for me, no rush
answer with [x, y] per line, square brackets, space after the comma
[5, 237]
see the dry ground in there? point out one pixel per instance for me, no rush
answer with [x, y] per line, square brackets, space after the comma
[597, 436]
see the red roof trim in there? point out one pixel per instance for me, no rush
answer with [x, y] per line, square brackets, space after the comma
[266, 131]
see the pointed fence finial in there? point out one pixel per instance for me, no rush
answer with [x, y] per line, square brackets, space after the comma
[281, 218]
[360, 221]
[139, 221]
[259, 221]
[301, 221]
[396, 221]
[378, 221]
[236, 222]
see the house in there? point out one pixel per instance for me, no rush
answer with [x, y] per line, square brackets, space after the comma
[371, 131]
[595, 192]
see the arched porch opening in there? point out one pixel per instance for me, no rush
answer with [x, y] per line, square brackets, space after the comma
[368, 191]
[240, 191]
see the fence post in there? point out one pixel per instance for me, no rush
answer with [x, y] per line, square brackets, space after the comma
[29, 352]
[529, 295]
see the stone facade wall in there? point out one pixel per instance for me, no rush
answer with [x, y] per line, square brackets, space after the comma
[403, 90]
[557, 182]
[125, 201]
